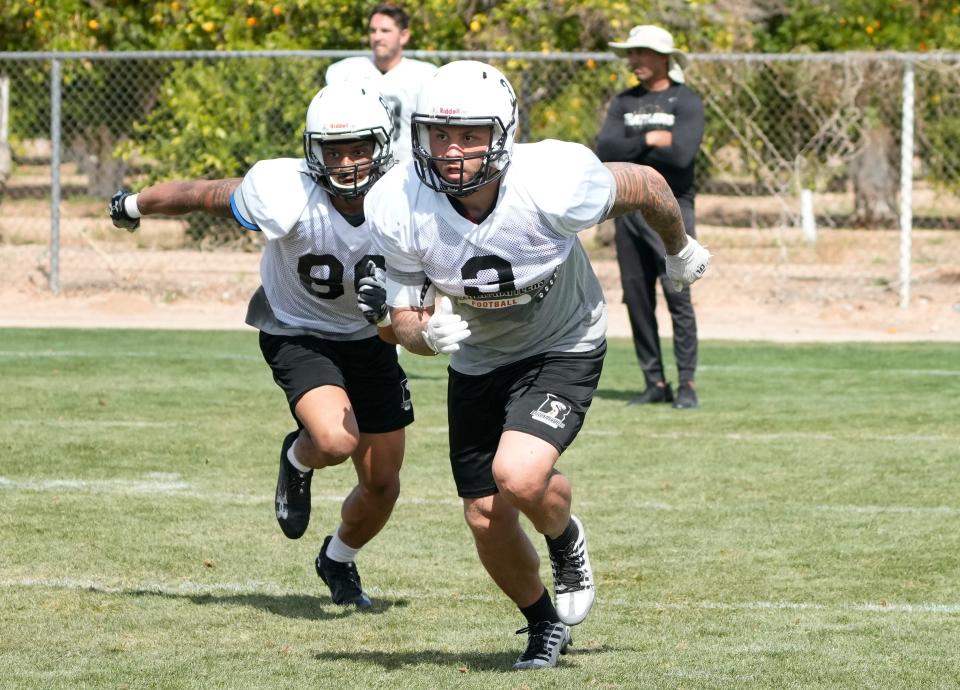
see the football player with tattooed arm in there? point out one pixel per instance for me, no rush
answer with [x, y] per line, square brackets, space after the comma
[484, 264]
[319, 312]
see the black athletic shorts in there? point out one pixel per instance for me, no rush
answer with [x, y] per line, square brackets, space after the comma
[546, 396]
[367, 370]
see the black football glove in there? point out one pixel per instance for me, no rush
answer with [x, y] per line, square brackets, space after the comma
[372, 295]
[118, 212]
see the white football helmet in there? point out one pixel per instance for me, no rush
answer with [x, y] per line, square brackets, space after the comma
[347, 112]
[465, 92]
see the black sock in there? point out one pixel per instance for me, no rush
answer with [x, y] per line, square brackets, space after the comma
[540, 610]
[568, 536]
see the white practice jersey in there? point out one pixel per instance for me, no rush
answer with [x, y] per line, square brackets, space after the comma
[521, 278]
[313, 258]
[399, 87]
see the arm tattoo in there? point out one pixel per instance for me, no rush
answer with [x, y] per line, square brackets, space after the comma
[216, 196]
[631, 188]
[176, 198]
[641, 188]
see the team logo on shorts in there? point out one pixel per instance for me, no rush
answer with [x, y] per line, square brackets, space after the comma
[552, 412]
[405, 402]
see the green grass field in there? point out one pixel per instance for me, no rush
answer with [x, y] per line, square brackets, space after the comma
[801, 529]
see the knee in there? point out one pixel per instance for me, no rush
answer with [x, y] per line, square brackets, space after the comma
[521, 488]
[328, 447]
[383, 490]
[479, 516]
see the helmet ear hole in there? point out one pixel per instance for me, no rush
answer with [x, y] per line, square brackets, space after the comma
[465, 92]
[340, 113]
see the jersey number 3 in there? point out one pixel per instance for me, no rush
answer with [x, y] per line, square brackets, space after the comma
[472, 268]
[311, 267]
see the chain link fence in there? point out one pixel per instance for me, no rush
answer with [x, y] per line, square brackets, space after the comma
[821, 177]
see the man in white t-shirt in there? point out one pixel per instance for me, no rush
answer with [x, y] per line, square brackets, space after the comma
[483, 263]
[396, 77]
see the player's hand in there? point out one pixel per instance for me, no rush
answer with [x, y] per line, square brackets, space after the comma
[445, 329]
[689, 265]
[118, 212]
[372, 295]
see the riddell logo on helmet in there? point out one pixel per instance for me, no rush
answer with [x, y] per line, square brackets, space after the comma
[449, 111]
[338, 125]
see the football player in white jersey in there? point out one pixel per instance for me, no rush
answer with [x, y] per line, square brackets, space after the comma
[397, 77]
[318, 312]
[484, 264]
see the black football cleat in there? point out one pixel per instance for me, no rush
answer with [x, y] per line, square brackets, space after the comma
[546, 641]
[343, 579]
[292, 502]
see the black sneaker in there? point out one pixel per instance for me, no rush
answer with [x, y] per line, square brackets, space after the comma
[342, 579]
[573, 578]
[292, 502]
[653, 394]
[546, 641]
[686, 397]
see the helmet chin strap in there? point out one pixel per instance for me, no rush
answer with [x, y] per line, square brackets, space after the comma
[354, 185]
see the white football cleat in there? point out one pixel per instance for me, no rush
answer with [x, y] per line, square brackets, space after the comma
[573, 578]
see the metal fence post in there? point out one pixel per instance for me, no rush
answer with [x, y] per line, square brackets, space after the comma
[750, 169]
[906, 184]
[524, 102]
[4, 108]
[55, 175]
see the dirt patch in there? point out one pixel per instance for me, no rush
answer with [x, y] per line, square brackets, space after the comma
[764, 283]
[208, 290]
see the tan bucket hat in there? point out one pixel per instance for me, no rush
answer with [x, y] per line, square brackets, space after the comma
[658, 40]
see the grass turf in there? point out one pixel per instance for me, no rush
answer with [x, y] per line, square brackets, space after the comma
[801, 529]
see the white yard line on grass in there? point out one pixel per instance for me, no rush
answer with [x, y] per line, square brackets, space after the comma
[613, 433]
[828, 370]
[133, 486]
[938, 510]
[91, 423]
[176, 488]
[779, 436]
[170, 484]
[172, 354]
[181, 588]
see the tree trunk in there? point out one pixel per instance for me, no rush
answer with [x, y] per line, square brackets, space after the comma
[874, 180]
[93, 152]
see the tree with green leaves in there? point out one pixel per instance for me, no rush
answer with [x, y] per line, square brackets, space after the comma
[907, 26]
[199, 117]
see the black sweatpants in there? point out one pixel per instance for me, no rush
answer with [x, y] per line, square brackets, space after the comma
[640, 254]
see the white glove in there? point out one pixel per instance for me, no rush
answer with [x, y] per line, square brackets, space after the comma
[689, 265]
[445, 329]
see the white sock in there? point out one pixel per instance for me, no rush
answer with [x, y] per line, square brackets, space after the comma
[292, 459]
[340, 552]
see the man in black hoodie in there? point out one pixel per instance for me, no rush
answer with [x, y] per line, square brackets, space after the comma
[658, 123]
